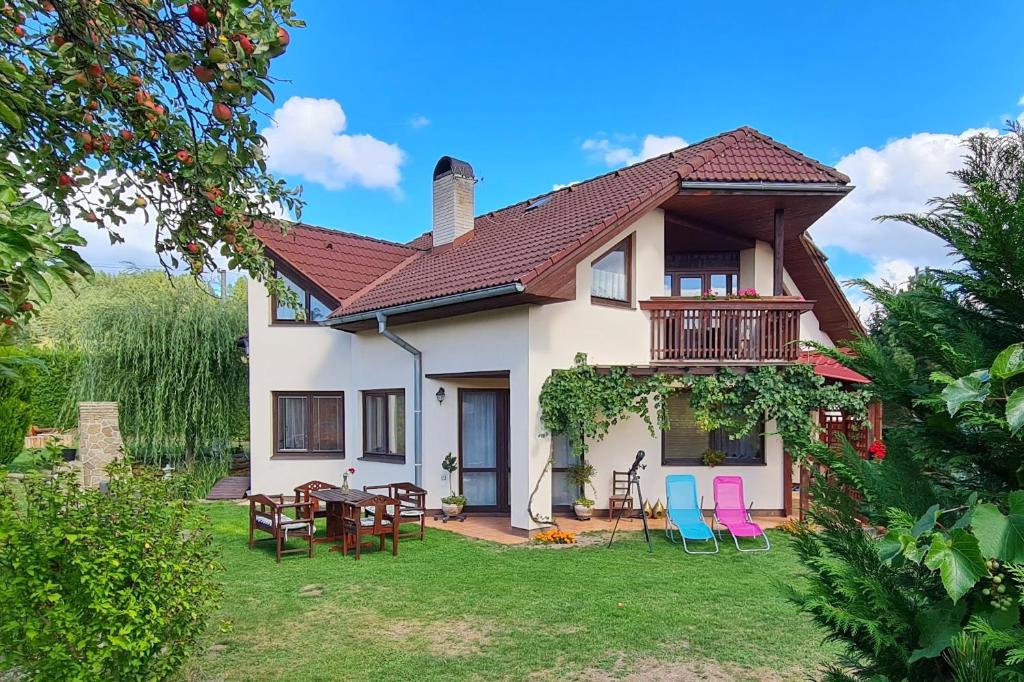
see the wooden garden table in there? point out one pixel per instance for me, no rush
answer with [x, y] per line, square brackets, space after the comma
[333, 500]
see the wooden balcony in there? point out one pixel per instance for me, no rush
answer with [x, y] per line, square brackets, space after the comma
[725, 331]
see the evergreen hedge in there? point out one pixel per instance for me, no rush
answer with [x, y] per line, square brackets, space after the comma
[51, 384]
[15, 413]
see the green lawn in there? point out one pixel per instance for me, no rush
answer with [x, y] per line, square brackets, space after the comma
[452, 608]
[24, 462]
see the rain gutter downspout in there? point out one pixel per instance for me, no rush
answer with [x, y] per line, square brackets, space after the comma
[417, 395]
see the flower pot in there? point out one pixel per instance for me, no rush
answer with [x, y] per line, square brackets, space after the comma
[583, 513]
[69, 454]
[451, 509]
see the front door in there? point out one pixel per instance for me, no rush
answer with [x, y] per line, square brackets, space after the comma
[483, 449]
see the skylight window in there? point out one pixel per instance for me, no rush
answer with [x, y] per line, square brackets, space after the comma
[540, 202]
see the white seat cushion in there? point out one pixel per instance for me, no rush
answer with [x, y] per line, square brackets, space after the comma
[284, 522]
[412, 513]
[368, 521]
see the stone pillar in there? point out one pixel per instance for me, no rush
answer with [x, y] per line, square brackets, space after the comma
[99, 441]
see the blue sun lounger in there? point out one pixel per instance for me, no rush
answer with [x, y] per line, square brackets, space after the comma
[684, 513]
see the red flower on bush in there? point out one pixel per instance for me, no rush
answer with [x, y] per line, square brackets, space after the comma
[877, 450]
[351, 470]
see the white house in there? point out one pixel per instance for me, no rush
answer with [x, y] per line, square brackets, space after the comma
[441, 345]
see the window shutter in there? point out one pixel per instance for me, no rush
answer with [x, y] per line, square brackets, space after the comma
[685, 442]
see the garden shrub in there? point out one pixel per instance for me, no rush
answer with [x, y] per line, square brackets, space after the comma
[15, 413]
[96, 585]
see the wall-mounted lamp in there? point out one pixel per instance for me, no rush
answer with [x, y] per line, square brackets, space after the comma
[440, 395]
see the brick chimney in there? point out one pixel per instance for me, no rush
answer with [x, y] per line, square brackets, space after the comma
[453, 200]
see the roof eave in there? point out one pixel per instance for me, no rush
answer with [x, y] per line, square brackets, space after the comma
[790, 187]
[426, 304]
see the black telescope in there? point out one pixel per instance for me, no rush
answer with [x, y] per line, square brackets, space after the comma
[640, 454]
[634, 480]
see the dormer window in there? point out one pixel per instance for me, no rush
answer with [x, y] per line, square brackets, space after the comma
[315, 309]
[611, 276]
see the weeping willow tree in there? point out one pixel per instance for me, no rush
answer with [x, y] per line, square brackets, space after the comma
[167, 352]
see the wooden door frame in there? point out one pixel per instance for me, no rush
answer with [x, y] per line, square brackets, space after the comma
[502, 431]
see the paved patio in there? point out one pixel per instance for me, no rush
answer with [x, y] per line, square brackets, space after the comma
[498, 529]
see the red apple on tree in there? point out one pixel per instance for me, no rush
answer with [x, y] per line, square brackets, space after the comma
[245, 43]
[127, 135]
[222, 112]
[25, 307]
[192, 247]
[218, 211]
[203, 74]
[282, 37]
[198, 14]
[65, 180]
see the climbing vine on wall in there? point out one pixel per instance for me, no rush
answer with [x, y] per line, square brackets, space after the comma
[583, 404]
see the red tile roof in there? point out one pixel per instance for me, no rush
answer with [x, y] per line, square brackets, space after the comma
[517, 243]
[831, 368]
[340, 263]
[520, 243]
[758, 158]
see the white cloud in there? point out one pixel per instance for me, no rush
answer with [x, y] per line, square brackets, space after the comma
[555, 187]
[898, 178]
[307, 139]
[617, 153]
[1020, 102]
[419, 121]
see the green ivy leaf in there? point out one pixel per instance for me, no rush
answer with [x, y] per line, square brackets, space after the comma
[1009, 363]
[958, 561]
[1015, 410]
[926, 523]
[999, 536]
[938, 626]
[973, 388]
[890, 547]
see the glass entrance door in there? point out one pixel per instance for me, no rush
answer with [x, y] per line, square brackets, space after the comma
[483, 449]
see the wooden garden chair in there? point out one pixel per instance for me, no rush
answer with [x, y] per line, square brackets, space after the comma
[412, 503]
[357, 526]
[266, 514]
[302, 494]
[620, 499]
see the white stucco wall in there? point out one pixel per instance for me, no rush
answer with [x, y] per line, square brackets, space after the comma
[300, 357]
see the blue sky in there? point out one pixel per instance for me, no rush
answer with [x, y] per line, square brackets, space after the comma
[518, 89]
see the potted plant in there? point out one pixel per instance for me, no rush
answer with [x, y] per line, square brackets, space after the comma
[69, 449]
[452, 504]
[713, 457]
[582, 475]
[584, 508]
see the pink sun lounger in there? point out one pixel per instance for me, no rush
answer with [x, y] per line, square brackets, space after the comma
[734, 515]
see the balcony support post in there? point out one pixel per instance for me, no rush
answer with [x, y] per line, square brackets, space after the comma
[780, 236]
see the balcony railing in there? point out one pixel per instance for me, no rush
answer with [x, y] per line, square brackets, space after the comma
[725, 331]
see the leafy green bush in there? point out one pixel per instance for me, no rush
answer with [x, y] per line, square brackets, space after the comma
[15, 413]
[98, 585]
